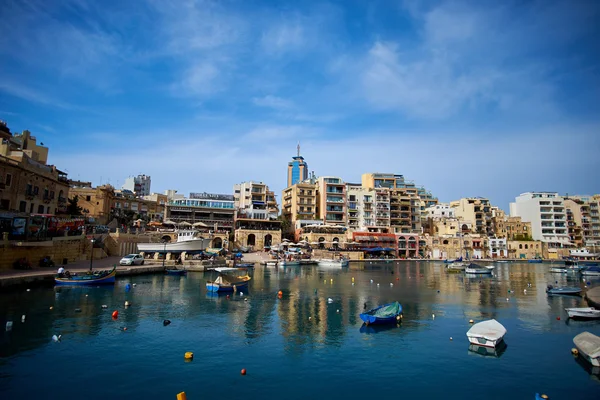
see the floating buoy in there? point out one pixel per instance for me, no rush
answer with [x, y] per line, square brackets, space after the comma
[438, 291]
[29, 290]
[338, 311]
[589, 283]
[134, 285]
[127, 304]
[378, 284]
[128, 287]
[115, 314]
[243, 372]
[471, 321]
[124, 328]
[78, 310]
[398, 318]
[544, 396]
[352, 279]
[371, 280]
[188, 355]
[450, 337]
[9, 325]
[166, 322]
[433, 316]
[524, 290]
[558, 318]
[56, 338]
[397, 279]
[352, 283]
[574, 351]
[51, 307]
[104, 306]
[507, 299]
[86, 295]
[23, 318]
[241, 293]
[280, 293]
[245, 299]
[331, 280]
[309, 318]
[330, 300]
[227, 297]
[391, 284]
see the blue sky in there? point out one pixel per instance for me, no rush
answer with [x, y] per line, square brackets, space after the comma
[477, 98]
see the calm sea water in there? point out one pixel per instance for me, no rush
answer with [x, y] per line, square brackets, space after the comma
[286, 354]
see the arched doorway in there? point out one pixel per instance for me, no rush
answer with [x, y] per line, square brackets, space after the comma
[465, 229]
[165, 238]
[251, 241]
[217, 243]
[268, 240]
[321, 243]
[336, 243]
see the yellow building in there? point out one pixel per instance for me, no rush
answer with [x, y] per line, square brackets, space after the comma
[498, 222]
[583, 220]
[299, 202]
[517, 229]
[27, 183]
[331, 192]
[96, 202]
[256, 223]
[525, 249]
[475, 209]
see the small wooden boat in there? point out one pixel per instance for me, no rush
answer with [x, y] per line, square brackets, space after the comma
[176, 271]
[583, 313]
[478, 270]
[91, 278]
[333, 263]
[229, 280]
[488, 333]
[456, 267]
[385, 314]
[573, 291]
[588, 345]
[459, 259]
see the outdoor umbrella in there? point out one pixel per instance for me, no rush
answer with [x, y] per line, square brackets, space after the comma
[196, 224]
[185, 223]
[169, 222]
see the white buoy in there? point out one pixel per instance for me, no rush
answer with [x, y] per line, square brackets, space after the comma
[104, 306]
[378, 284]
[330, 300]
[29, 290]
[507, 299]
[134, 284]
[371, 280]
[23, 318]
[241, 293]
[433, 316]
[450, 337]
[352, 283]
[309, 318]
[86, 295]
[524, 290]
[338, 311]
[56, 338]
[391, 284]
[127, 304]
[9, 325]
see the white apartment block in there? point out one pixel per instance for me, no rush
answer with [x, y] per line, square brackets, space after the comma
[252, 200]
[140, 185]
[547, 214]
[498, 247]
[441, 210]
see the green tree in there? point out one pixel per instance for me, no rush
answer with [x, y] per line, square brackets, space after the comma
[73, 206]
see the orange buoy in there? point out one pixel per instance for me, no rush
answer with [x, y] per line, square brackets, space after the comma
[243, 371]
[115, 314]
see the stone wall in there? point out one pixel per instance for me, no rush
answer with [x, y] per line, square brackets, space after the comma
[70, 248]
[242, 235]
[526, 249]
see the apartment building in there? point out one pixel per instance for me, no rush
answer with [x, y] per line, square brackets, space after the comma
[297, 169]
[499, 218]
[299, 202]
[97, 202]
[158, 203]
[441, 210]
[211, 209]
[547, 215]
[331, 192]
[27, 183]
[475, 209]
[583, 220]
[256, 223]
[516, 229]
[140, 185]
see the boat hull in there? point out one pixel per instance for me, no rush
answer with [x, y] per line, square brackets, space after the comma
[187, 245]
[370, 318]
[332, 263]
[84, 281]
[535, 261]
[176, 272]
[289, 263]
[583, 313]
[588, 346]
[558, 270]
[565, 291]
[222, 288]
[478, 271]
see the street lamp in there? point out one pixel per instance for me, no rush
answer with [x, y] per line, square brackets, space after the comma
[92, 253]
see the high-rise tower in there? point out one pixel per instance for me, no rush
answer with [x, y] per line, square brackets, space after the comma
[297, 169]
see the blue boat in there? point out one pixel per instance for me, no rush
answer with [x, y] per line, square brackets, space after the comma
[385, 314]
[244, 265]
[459, 259]
[572, 291]
[228, 280]
[91, 278]
[176, 272]
[535, 261]
[593, 270]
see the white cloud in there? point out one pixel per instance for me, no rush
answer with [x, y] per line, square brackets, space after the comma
[201, 78]
[286, 36]
[274, 102]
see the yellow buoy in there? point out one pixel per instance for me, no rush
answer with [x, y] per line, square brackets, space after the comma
[471, 321]
[544, 396]
[574, 351]
[189, 355]
[352, 279]
[181, 396]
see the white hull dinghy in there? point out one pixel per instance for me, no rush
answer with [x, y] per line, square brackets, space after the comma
[488, 333]
[584, 313]
[588, 346]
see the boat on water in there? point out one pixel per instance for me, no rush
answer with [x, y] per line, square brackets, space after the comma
[459, 259]
[567, 290]
[573, 266]
[106, 277]
[339, 263]
[456, 267]
[583, 313]
[488, 351]
[289, 263]
[535, 261]
[244, 265]
[479, 270]
[385, 314]
[488, 333]
[594, 270]
[175, 271]
[558, 270]
[588, 345]
[187, 240]
[229, 280]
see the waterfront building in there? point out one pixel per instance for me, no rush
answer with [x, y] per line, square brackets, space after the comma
[396, 181]
[524, 249]
[323, 236]
[470, 246]
[216, 211]
[405, 211]
[140, 185]
[546, 213]
[297, 169]
[499, 218]
[497, 247]
[27, 183]
[409, 245]
[331, 192]
[360, 210]
[96, 202]
[516, 229]
[376, 240]
[583, 220]
[299, 202]
[450, 227]
[475, 209]
[441, 210]
[158, 204]
[256, 223]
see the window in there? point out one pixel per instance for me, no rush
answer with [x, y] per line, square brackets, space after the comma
[31, 208]
[22, 206]
[525, 228]
[36, 190]
[51, 194]
[8, 180]
[40, 209]
[88, 198]
[520, 246]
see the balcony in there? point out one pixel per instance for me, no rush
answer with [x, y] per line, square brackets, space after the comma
[334, 190]
[334, 209]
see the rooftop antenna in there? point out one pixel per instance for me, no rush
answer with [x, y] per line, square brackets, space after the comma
[298, 148]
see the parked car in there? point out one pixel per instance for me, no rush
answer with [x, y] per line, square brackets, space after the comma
[132, 259]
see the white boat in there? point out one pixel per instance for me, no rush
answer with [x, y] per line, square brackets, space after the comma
[583, 312]
[456, 267]
[186, 241]
[478, 270]
[488, 333]
[558, 270]
[573, 266]
[332, 263]
[592, 270]
[287, 263]
[271, 263]
[588, 345]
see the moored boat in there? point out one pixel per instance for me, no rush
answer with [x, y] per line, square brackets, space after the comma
[175, 271]
[591, 271]
[456, 267]
[535, 261]
[229, 280]
[385, 314]
[459, 259]
[573, 266]
[186, 241]
[333, 263]
[583, 313]
[478, 270]
[588, 346]
[488, 351]
[558, 270]
[488, 333]
[91, 278]
[567, 290]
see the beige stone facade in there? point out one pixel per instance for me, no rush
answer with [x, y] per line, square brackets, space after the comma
[475, 209]
[256, 238]
[59, 249]
[525, 249]
[331, 192]
[498, 222]
[517, 229]
[299, 202]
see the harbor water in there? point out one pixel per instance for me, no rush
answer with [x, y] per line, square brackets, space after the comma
[308, 343]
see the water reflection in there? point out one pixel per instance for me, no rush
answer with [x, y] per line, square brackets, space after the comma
[593, 371]
[488, 351]
[374, 329]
